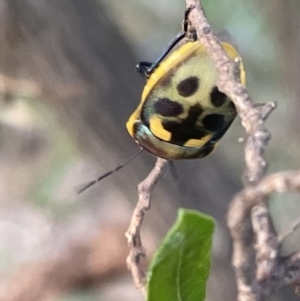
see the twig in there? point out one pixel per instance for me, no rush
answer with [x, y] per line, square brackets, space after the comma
[281, 182]
[287, 269]
[136, 252]
[253, 118]
[229, 83]
[292, 227]
[266, 247]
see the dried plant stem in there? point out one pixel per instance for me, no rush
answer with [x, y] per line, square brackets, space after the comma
[272, 271]
[293, 226]
[229, 82]
[136, 252]
[248, 217]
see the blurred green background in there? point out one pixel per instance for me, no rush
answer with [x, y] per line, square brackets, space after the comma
[68, 85]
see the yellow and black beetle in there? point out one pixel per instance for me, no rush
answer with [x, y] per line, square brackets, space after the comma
[182, 114]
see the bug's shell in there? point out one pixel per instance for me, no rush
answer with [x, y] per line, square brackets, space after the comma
[182, 114]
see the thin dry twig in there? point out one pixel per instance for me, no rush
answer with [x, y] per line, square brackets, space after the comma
[272, 272]
[254, 281]
[253, 118]
[136, 252]
[291, 229]
[229, 82]
[266, 244]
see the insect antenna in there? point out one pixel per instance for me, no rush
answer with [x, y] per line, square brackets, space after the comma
[88, 185]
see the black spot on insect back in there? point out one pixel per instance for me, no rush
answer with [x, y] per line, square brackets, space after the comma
[188, 86]
[217, 98]
[168, 108]
[187, 128]
[213, 122]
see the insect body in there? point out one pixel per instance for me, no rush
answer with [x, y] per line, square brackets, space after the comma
[182, 114]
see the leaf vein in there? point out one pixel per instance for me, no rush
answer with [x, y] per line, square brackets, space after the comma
[179, 298]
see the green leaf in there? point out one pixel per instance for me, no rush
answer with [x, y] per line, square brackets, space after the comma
[180, 268]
